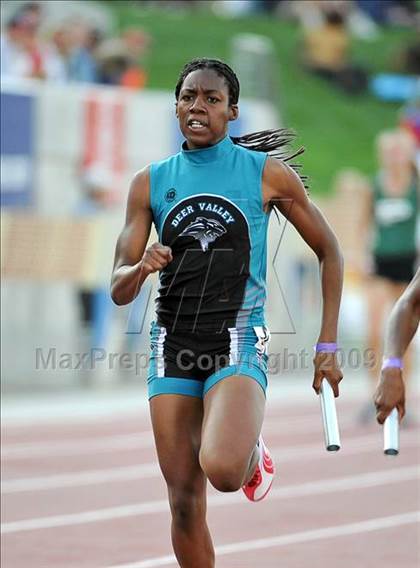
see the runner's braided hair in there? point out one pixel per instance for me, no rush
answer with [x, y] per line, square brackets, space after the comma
[275, 141]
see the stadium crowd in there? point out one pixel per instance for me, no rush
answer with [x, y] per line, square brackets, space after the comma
[74, 51]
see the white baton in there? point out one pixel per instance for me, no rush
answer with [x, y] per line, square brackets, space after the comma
[329, 417]
[391, 434]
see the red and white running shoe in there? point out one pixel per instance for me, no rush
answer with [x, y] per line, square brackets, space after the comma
[260, 483]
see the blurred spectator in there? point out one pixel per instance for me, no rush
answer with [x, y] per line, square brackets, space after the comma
[23, 54]
[14, 59]
[327, 54]
[75, 52]
[397, 12]
[119, 59]
[61, 40]
[311, 14]
[82, 64]
[76, 43]
[137, 42]
[410, 119]
[377, 9]
[403, 13]
[327, 45]
[411, 59]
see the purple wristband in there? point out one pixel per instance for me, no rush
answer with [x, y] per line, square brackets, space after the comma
[326, 347]
[394, 362]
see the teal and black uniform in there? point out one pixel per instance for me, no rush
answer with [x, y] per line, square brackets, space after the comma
[207, 206]
[394, 239]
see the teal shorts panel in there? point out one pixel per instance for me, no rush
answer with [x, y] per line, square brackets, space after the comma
[174, 385]
[211, 358]
[249, 370]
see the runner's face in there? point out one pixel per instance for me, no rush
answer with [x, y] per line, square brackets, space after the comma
[397, 151]
[203, 108]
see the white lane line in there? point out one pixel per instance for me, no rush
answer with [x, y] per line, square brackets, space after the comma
[372, 479]
[54, 412]
[284, 454]
[77, 479]
[139, 440]
[74, 447]
[370, 525]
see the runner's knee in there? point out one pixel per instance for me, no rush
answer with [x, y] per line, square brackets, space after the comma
[224, 473]
[187, 506]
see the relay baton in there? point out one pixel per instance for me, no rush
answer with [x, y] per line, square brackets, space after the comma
[391, 434]
[329, 417]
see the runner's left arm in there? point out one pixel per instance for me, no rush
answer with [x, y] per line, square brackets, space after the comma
[283, 189]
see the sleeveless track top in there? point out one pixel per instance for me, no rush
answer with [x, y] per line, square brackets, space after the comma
[207, 206]
[395, 220]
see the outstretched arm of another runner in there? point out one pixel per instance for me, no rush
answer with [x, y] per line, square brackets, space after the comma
[283, 188]
[133, 262]
[402, 324]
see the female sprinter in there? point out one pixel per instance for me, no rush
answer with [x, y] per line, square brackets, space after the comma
[391, 209]
[210, 204]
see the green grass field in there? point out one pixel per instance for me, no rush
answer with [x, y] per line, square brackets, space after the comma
[338, 130]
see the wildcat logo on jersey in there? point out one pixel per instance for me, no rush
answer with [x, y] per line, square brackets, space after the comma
[209, 221]
[170, 194]
[204, 230]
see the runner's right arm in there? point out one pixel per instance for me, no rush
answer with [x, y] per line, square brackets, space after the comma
[133, 262]
[401, 327]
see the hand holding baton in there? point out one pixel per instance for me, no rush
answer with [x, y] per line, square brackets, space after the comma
[391, 434]
[390, 394]
[329, 417]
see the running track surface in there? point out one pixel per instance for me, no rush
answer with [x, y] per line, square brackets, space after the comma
[89, 494]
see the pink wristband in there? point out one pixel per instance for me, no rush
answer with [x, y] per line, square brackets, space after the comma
[326, 347]
[394, 362]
